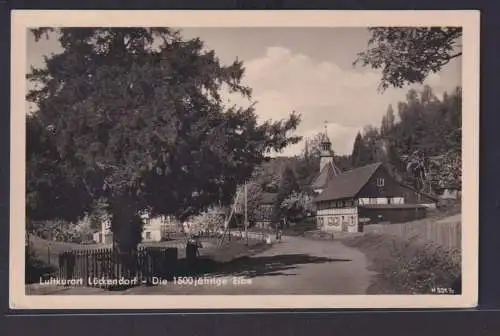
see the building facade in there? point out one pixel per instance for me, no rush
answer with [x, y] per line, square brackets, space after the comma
[367, 195]
[450, 192]
[104, 235]
[265, 208]
[155, 229]
[158, 228]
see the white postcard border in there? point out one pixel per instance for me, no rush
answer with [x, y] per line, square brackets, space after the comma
[469, 20]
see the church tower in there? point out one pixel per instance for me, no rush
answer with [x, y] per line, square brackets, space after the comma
[327, 169]
[326, 153]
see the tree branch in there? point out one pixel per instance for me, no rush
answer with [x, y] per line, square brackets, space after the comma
[455, 56]
[446, 61]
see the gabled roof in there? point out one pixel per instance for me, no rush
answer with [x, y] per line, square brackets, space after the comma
[424, 194]
[348, 184]
[329, 171]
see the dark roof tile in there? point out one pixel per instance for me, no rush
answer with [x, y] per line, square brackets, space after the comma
[348, 184]
[328, 172]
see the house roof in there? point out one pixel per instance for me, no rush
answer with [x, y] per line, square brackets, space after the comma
[348, 184]
[329, 171]
[423, 194]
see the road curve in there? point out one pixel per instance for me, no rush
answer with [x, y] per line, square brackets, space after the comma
[294, 266]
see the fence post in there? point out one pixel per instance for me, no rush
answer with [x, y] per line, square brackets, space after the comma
[61, 265]
[78, 264]
[95, 271]
[86, 272]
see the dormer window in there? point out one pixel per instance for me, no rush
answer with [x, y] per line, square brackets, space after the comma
[380, 182]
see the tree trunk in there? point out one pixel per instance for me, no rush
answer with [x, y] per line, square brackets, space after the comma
[126, 226]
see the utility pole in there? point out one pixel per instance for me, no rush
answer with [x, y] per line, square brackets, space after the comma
[246, 214]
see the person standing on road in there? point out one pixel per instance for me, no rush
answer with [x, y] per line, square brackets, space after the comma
[279, 230]
[193, 246]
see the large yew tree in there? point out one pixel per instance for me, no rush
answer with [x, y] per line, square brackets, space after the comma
[136, 116]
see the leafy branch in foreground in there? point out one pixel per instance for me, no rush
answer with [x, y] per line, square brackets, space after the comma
[409, 55]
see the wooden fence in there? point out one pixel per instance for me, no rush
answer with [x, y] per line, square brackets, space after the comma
[104, 267]
[447, 232]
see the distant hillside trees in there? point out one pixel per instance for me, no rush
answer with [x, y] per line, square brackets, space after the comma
[427, 126]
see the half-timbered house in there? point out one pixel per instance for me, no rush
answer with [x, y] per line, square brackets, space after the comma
[367, 195]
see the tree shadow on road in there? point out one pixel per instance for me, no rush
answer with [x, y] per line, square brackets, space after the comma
[260, 266]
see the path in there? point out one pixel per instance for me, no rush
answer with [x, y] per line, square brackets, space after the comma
[451, 219]
[295, 266]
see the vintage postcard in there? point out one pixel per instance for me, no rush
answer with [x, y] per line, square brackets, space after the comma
[244, 159]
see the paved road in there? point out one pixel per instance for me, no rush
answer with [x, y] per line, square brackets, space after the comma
[451, 219]
[294, 266]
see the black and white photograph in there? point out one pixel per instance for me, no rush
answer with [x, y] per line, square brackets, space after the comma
[244, 160]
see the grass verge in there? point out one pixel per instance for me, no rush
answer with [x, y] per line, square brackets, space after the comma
[236, 248]
[409, 266]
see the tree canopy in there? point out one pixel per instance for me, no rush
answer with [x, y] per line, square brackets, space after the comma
[409, 55]
[427, 124]
[136, 116]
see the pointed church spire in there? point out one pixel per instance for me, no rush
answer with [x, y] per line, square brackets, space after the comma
[326, 145]
[327, 154]
[327, 167]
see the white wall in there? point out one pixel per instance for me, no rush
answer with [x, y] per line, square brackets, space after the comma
[151, 234]
[153, 225]
[397, 200]
[382, 200]
[337, 219]
[450, 194]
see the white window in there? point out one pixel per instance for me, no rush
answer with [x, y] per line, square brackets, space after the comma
[363, 201]
[397, 200]
[148, 235]
[382, 200]
[380, 182]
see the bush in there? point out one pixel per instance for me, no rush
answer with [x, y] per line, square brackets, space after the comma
[209, 220]
[431, 268]
[409, 266]
[36, 269]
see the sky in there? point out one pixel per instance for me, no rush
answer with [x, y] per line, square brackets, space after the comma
[307, 70]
